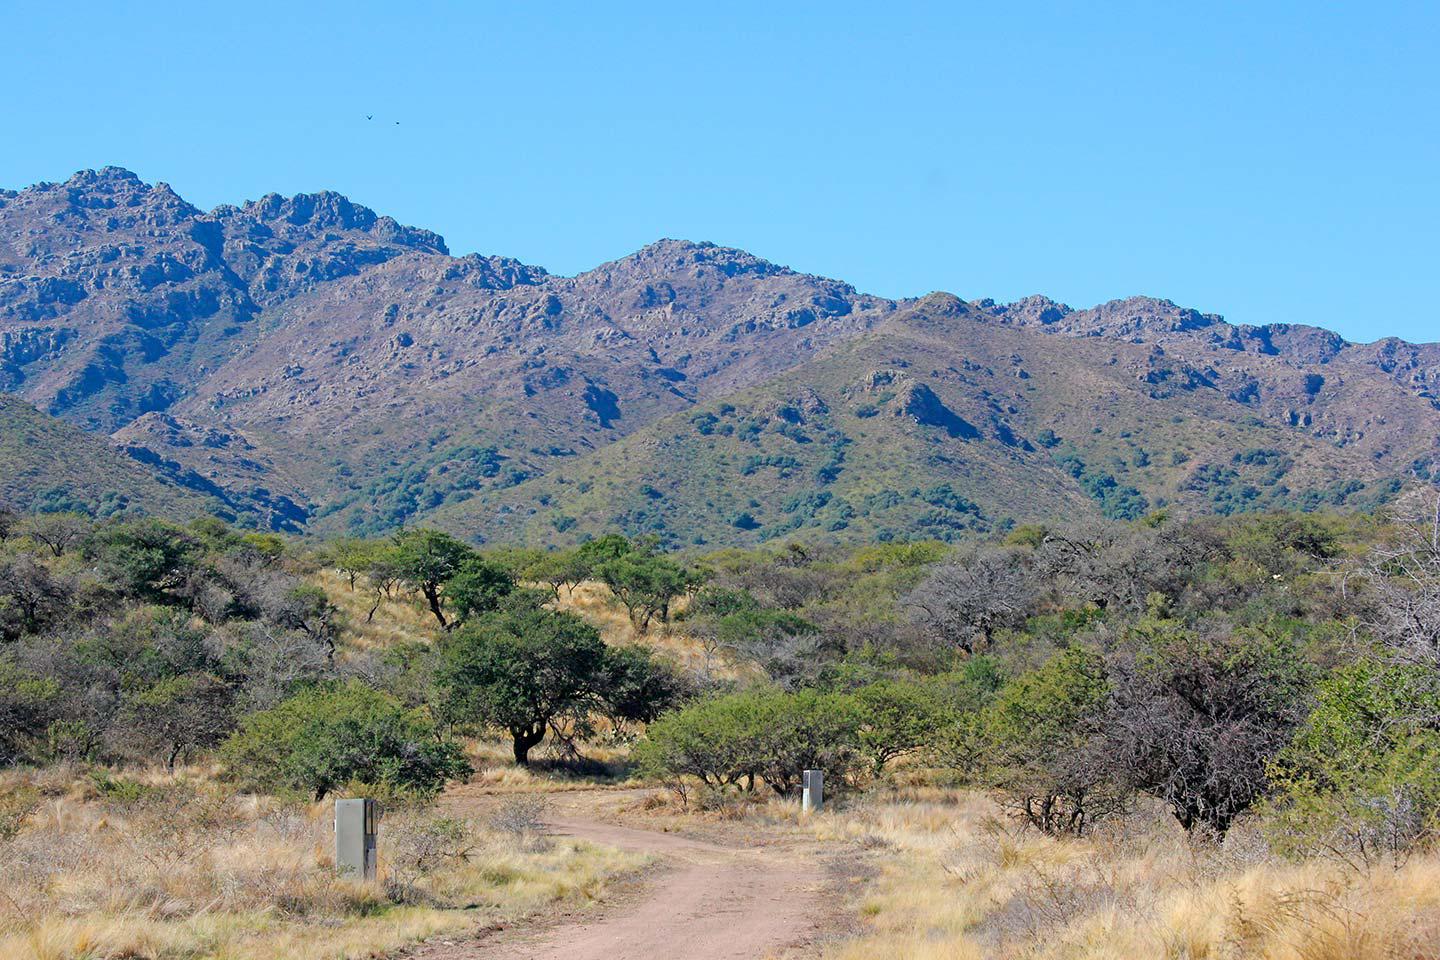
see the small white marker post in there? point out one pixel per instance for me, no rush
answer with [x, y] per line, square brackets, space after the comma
[355, 839]
[812, 798]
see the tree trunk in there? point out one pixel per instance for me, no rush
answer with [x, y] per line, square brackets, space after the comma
[525, 738]
[432, 594]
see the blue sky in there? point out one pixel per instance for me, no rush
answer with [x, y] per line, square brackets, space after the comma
[1272, 162]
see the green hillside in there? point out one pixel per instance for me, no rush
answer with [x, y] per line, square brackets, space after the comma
[47, 464]
[926, 430]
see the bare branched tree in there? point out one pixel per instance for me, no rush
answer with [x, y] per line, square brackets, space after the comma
[1402, 581]
[964, 602]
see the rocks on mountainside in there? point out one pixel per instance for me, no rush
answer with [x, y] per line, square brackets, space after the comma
[305, 361]
[218, 463]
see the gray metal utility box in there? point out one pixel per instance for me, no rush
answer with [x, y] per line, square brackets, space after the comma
[812, 798]
[355, 839]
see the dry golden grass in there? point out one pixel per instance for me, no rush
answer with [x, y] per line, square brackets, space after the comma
[956, 882]
[594, 602]
[396, 621]
[186, 870]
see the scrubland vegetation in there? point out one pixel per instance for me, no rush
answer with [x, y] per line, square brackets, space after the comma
[1169, 737]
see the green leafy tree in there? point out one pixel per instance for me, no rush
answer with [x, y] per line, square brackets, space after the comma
[561, 568]
[352, 556]
[324, 738]
[520, 670]
[894, 718]
[1361, 778]
[1040, 745]
[148, 559]
[646, 584]
[592, 553]
[426, 560]
[479, 587]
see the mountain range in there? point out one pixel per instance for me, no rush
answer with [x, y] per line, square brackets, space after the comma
[306, 364]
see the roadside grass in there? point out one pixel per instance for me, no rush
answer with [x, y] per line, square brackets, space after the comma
[174, 866]
[950, 878]
[958, 881]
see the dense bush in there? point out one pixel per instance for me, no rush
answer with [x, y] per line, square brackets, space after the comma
[1039, 744]
[757, 736]
[1361, 780]
[325, 738]
[1196, 715]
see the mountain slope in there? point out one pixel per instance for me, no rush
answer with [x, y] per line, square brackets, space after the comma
[942, 423]
[51, 465]
[307, 363]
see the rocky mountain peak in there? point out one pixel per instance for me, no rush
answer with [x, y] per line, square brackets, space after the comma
[682, 256]
[1133, 315]
[1034, 310]
[330, 211]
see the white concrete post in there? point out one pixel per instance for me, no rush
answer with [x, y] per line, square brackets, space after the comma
[355, 839]
[812, 799]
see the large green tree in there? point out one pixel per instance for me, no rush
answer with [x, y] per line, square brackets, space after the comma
[520, 670]
[426, 560]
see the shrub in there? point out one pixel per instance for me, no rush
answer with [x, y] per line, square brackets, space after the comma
[522, 820]
[760, 735]
[1361, 779]
[1040, 747]
[28, 705]
[147, 559]
[327, 737]
[176, 716]
[15, 808]
[416, 848]
[1197, 715]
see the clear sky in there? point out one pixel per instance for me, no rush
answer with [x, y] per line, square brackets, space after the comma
[1272, 162]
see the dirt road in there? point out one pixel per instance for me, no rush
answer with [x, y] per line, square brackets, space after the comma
[703, 901]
